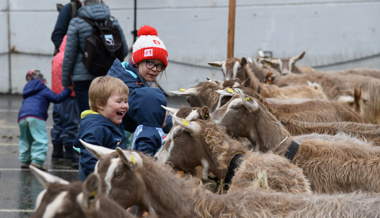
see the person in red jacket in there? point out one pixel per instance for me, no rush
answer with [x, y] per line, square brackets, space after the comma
[66, 116]
[32, 118]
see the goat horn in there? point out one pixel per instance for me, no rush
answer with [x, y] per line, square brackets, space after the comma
[45, 178]
[95, 150]
[172, 111]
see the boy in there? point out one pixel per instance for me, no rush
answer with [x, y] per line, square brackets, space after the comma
[102, 124]
[147, 112]
[32, 118]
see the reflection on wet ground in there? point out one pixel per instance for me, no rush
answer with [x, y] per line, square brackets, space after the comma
[19, 188]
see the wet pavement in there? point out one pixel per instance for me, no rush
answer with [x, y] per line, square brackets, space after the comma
[19, 188]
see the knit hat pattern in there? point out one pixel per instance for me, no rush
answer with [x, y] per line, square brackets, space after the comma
[148, 46]
[35, 74]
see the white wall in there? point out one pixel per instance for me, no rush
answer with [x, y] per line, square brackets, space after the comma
[195, 32]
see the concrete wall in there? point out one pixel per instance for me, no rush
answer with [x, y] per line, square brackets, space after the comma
[337, 34]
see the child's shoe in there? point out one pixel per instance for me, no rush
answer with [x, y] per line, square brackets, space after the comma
[37, 165]
[24, 166]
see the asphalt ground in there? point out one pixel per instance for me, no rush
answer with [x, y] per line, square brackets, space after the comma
[19, 188]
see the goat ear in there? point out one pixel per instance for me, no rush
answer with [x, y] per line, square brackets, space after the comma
[130, 158]
[45, 178]
[191, 126]
[357, 96]
[172, 111]
[185, 92]
[216, 63]
[249, 102]
[96, 150]
[271, 62]
[205, 113]
[299, 57]
[243, 62]
[247, 82]
[91, 188]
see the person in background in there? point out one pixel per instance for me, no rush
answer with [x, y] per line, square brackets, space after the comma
[146, 110]
[66, 117]
[102, 125]
[66, 13]
[73, 69]
[149, 58]
[32, 118]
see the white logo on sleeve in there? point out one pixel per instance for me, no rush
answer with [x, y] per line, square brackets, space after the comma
[148, 52]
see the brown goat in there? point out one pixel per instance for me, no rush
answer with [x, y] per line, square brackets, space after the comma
[329, 167]
[295, 128]
[203, 94]
[310, 111]
[76, 199]
[239, 70]
[286, 65]
[203, 143]
[146, 183]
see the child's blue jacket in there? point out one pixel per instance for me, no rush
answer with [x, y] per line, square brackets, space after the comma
[37, 97]
[96, 130]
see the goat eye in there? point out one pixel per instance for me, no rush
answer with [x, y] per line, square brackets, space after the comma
[235, 108]
[118, 174]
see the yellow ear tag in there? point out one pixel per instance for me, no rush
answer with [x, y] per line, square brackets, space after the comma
[230, 90]
[184, 122]
[133, 160]
[92, 193]
[246, 99]
[182, 90]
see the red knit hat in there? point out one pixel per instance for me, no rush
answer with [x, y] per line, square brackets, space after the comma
[148, 46]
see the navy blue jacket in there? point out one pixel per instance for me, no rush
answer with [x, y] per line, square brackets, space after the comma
[62, 24]
[128, 74]
[37, 97]
[97, 130]
[146, 110]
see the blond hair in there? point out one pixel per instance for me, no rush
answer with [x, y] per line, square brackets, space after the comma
[101, 89]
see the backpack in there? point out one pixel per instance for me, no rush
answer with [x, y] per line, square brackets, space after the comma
[102, 48]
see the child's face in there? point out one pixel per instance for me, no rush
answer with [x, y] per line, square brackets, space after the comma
[149, 74]
[116, 107]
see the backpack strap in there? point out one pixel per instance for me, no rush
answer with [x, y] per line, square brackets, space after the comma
[89, 21]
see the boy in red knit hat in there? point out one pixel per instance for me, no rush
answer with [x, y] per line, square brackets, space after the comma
[149, 58]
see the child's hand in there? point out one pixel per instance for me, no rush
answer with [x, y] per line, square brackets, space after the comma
[70, 87]
[164, 124]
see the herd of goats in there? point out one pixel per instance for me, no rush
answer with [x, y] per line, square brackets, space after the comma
[272, 139]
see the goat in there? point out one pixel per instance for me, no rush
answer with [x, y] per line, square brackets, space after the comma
[286, 65]
[310, 91]
[335, 87]
[76, 199]
[329, 167]
[311, 110]
[295, 128]
[200, 95]
[146, 183]
[200, 142]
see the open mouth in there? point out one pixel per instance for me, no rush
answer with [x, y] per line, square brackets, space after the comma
[119, 113]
